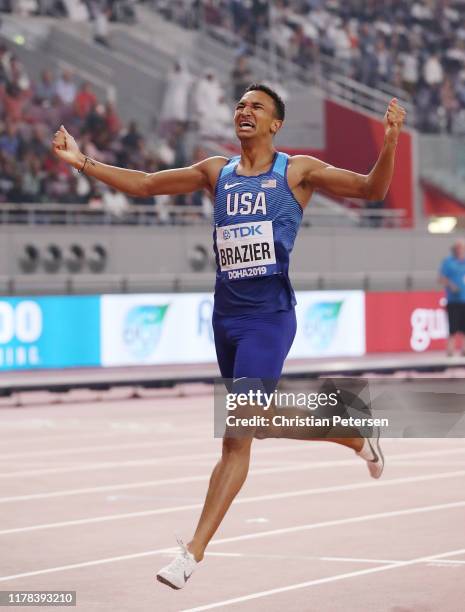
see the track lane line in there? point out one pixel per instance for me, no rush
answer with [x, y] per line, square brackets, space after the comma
[160, 460]
[301, 466]
[102, 448]
[246, 500]
[337, 577]
[250, 536]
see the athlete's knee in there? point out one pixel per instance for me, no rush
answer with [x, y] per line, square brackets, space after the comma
[237, 446]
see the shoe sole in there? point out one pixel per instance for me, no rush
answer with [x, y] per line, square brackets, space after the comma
[376, 449]
[167, 582]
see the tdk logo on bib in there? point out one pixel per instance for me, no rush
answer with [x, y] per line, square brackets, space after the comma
[242, 231]
[246, 250]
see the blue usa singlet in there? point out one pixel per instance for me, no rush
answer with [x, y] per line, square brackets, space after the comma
[256, 223]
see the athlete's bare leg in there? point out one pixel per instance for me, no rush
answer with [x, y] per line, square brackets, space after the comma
[231, 471]
[225, 483]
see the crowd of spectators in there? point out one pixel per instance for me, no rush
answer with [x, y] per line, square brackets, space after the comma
[77, 10]
[414, 46]
[30, 113]
[98, 12]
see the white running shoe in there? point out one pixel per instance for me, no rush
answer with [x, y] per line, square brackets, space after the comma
[372, 454]
[181, 568]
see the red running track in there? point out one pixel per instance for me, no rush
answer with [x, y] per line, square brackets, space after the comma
[92, 490]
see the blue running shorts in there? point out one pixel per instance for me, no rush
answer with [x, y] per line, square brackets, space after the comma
[254, 345]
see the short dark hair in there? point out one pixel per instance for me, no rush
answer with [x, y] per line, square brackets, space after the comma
[279, 105]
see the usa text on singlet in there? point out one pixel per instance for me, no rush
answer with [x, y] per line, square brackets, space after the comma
[256, 222]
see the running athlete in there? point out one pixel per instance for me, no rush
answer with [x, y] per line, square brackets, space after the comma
[261, 193]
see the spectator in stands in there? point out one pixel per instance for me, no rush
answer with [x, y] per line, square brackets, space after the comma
[217, 124]
[76, 10]
[33, 176]
[452, 278]
[449, 104]
[5, 59]
[88, 147]
[241, 76]
[38, 141]
[123, 10]
[16, 73]
[115, 202]
[7, 174]
[57, 186]
[112, 120]
[10, 140]
[16, 195]
[84, 101]
[101, 19]
[433, 72]
[132, 136]
[174, 108]
[44, 92]
[25, 7]
[384, 63]
[342, 45]
[51, 8]
[206, 96]
[460, 89]
[66, 88]
[410, 70]
[14, 102]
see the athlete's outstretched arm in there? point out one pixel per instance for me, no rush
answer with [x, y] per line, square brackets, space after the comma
[135, 182]
[373, 186]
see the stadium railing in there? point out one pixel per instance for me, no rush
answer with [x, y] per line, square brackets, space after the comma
[82, 214]
[93, 284]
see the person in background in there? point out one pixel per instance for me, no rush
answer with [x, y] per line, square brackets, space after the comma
[205, 97]
[84, 101]
[175, 101]
[66, 88]
[452, 278]
[241, 76]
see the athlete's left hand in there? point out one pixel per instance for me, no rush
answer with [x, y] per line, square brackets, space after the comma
[393, 120]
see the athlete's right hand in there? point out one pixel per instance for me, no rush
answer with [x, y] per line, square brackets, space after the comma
[65, 147]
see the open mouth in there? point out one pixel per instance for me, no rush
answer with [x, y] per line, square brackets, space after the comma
[246, 125]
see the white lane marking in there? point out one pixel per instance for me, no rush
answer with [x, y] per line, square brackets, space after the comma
[302, 557]
[358, 560]
[111, 429]
[46, 437]
[249, 536]
[302, 585]
[286, 468]
[362, 560]
[439, 563]
[160, 460]
[134, 463]
[245, 500]
[102, 448]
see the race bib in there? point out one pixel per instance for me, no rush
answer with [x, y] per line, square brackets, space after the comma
[246, 250]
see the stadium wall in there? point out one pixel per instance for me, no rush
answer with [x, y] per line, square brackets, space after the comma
[160, 249]
[159, 329]
[354, 140]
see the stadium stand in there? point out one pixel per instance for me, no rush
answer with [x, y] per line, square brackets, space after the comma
[414, 48]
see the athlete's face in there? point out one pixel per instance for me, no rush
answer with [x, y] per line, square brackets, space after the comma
[255, 115]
